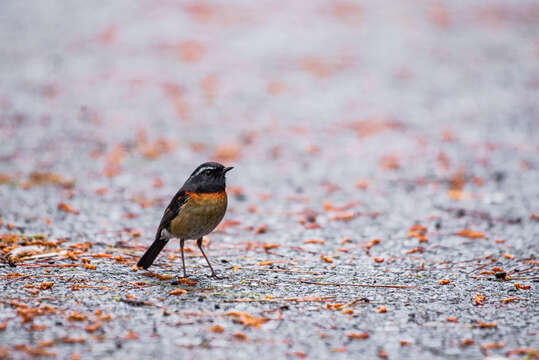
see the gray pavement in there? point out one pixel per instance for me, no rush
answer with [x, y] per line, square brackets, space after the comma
[346, 122]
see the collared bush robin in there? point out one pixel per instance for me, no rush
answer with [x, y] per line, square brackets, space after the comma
[196, 209]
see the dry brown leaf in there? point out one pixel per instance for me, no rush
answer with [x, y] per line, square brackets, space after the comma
[46, 285]
[358, 336]
[247, 319]
[315, 241]
[522, 287]
[217, 329]
[471, 234]
[484, 325]
[62, 206]
[326, 259]
[178, 292]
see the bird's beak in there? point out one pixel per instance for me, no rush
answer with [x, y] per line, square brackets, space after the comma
[227, 169]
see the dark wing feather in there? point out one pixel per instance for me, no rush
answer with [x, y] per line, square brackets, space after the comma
[171, 211]
[159, 243]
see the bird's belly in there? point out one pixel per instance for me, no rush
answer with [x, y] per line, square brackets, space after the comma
[200, 214]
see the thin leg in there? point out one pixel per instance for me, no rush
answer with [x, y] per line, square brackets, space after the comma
[183, 257]
[213, 274]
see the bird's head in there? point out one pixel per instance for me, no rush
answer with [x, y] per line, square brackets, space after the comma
[207, 178]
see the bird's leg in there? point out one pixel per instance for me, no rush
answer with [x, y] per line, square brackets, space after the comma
[183, 257]
[213, 274]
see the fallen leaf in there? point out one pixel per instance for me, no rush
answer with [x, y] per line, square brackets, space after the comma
[522, 287]
[46, 285]
[315, 241]
[471, 234]
[131, 335]
[509, 299]
[479, 299]
[240, 336]
[382, 309]
[326, 259]
[445, 282]
[74, 316]
[358, 336]
[67, 208]
[484, 325]
[494, 345]
[70, 340]
[178, 292]
[247, 319]
[217, 329]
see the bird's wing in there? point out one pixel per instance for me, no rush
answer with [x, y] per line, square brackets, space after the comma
[171, 211]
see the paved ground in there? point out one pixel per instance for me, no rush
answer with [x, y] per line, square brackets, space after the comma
[346, 122]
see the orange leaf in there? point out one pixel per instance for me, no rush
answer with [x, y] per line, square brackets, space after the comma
[371, 243]
[270, 246]
[131, 335]
[261, 229]
[484, 325]
[509, 299]
[445, 282]
[67, 208]
[326, 259]
[271, 262]
[70, 340]
[315, 241]
[378, 260]
[494, 345]
[522, 287]
[240, 336]
[337, 306]
[74, 316]
[46, 285]
[508, 256]
[358, 336]
[247, 319]
[178, 292]
[164, 276]
[479, 299]
[217, 329]
[382, 309]
[452, 319]
[186, 281]
[471, 234]
[347, 216]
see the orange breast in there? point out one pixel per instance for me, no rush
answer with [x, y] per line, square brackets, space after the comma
[199, 215]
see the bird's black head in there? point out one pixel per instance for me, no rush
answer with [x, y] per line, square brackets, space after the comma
[207, 178]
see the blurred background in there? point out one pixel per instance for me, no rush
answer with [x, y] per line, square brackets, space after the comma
[303, 98]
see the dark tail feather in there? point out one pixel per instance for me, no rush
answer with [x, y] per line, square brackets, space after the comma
[149, 256]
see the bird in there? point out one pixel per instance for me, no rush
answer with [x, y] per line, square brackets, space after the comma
[194, 211]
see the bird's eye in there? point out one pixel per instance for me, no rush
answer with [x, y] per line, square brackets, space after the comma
[207, 172]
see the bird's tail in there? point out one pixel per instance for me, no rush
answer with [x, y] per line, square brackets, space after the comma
[149, 256]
